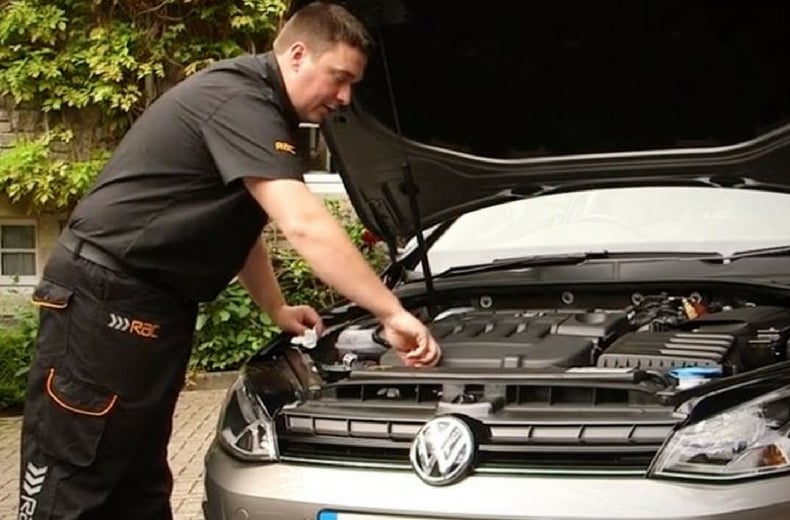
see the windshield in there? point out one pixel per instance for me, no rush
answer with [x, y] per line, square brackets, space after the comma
[644, 219]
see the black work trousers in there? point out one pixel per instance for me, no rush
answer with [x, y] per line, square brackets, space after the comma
[111, 358]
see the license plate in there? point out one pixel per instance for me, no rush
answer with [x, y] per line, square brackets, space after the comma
[335, 515]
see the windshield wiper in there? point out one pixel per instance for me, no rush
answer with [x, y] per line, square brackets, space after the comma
[504, 264]
[761, 251]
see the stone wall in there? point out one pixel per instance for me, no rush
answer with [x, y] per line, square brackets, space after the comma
[16, 121]
[6, 131]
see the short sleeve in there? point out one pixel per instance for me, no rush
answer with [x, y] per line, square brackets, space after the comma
[248, 137]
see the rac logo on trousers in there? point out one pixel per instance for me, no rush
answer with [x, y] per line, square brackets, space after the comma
[143, 329]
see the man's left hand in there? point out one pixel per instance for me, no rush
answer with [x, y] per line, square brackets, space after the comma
[297, 319]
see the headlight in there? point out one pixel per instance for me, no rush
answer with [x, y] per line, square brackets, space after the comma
[246, 428]
[745, 441]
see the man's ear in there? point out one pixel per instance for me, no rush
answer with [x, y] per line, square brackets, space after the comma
[297, 53]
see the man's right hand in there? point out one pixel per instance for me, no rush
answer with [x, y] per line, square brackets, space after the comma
[411, 340]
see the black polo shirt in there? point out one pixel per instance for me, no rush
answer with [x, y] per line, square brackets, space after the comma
[170, 204]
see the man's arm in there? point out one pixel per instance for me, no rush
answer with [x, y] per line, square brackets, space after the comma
[323, 243]
[257, 277]
[317, 236]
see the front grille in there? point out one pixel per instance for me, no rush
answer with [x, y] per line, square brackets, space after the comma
[554, 459]
[518, 446]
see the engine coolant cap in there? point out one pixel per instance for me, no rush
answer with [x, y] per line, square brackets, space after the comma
[688, 377]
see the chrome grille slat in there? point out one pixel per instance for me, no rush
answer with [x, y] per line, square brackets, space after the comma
[639, 433]
[511, 446]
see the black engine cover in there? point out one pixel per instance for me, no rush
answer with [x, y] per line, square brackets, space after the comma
[733, 340]
[512, 339]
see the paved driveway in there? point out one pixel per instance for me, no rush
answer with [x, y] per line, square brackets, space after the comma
[193, 428]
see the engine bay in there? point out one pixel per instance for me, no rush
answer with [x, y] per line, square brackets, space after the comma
[660, 332]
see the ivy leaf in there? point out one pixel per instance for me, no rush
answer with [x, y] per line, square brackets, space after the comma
[200, 322]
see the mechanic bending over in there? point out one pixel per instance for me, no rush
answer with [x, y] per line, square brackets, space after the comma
[177, 212]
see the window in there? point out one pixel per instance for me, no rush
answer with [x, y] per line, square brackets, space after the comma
[17, 253]
[644, 219]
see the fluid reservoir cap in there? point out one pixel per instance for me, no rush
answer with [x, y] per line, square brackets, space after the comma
[695, 372]
[692, 376]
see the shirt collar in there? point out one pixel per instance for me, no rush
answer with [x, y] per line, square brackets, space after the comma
[275, 76]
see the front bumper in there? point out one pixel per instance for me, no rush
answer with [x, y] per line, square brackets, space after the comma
[283, 491]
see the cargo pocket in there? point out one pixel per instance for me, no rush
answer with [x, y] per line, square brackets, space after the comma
[53, 300]
[50, 295]
[73, 418]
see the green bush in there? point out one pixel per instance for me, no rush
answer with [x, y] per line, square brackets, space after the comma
[229, 329]
[17, 339]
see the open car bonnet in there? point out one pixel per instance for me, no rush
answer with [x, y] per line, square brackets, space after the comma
[480, 104]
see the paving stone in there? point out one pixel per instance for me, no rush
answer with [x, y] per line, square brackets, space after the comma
[194, 422]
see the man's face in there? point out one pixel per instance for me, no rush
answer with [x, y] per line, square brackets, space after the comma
[319, 84]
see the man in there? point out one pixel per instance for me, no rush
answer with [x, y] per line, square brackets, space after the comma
[176, 213]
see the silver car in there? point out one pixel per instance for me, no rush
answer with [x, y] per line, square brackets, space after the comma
[588, 205]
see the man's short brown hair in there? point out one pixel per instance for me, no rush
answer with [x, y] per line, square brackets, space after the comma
[321, 25]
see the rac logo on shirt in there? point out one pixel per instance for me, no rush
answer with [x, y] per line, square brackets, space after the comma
[282, 146]
[140, 328]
